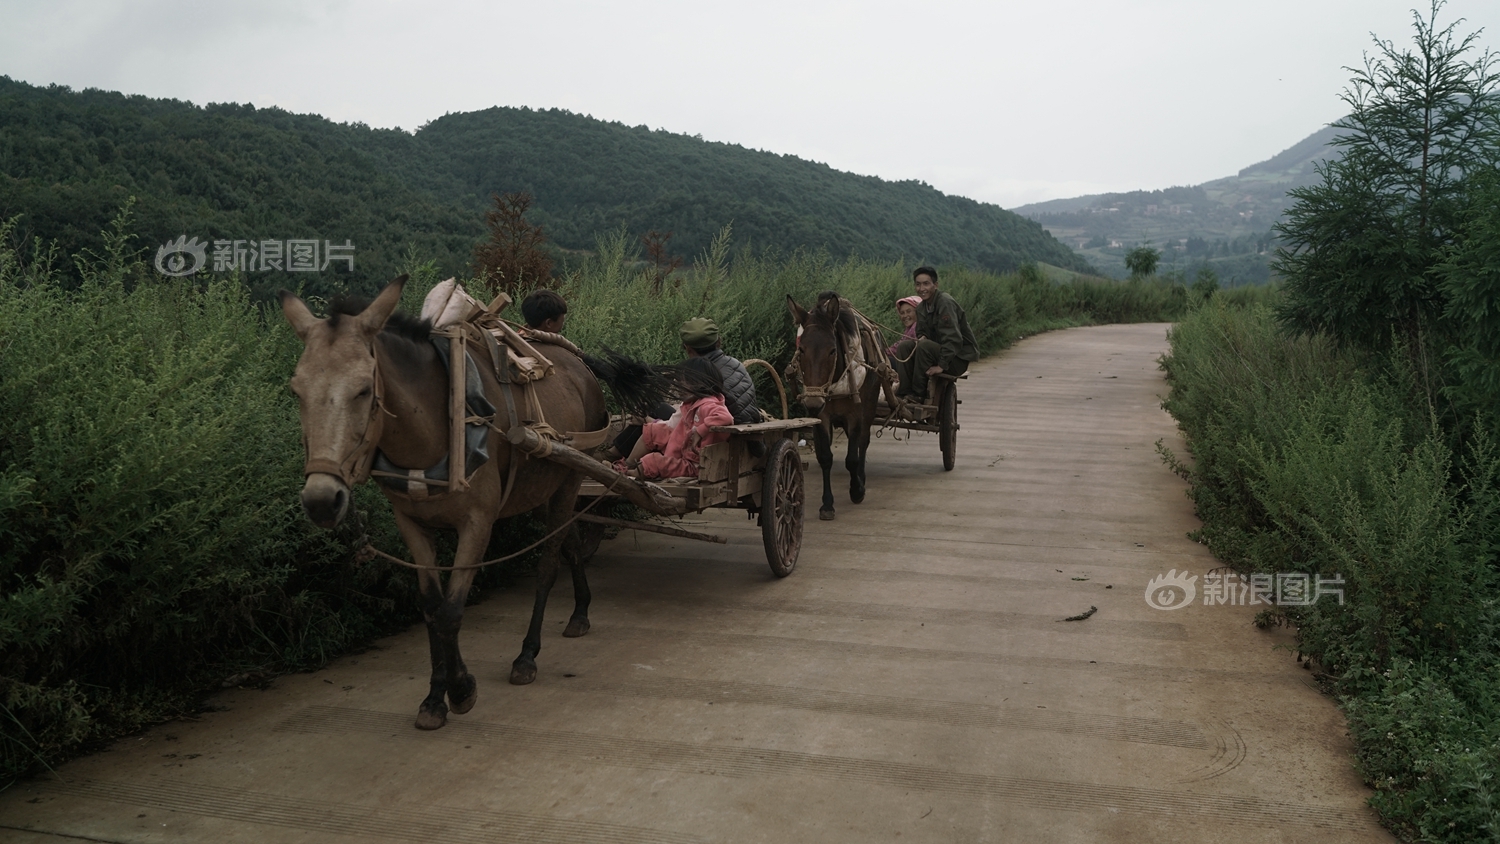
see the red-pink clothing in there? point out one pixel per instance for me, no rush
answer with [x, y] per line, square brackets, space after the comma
[670, 456]
[911, 334]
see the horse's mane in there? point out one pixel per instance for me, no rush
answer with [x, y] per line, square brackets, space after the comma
[400, 324]
[844, 325]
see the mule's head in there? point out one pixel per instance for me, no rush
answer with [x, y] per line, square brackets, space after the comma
[337, 386]
[820, 355]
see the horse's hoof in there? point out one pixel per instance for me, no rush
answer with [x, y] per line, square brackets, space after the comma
[576, 627]
[825, 515]
[521, 675]
[463, 698]
[857, 497]
[432, 717]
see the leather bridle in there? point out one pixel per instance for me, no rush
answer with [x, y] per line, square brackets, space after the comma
[354, 469]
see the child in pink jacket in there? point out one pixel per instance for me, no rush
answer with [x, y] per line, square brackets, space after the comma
[671, 449]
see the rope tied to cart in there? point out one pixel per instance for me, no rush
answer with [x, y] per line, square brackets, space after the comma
[369, 551]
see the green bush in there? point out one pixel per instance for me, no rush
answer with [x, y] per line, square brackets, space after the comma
[1302, 461]
[152, 537]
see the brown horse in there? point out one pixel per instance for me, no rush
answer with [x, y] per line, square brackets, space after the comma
[839, 366]
[369, 380]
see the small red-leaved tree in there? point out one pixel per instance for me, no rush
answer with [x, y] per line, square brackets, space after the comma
[663, 263]
[513, 257]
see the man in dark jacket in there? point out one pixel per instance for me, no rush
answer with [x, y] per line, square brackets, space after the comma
[700, 339]
[944, 342]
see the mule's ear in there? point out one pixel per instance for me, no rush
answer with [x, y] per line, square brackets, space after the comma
[799, 316]
[296, 313]
[373, 318]
[830, 304]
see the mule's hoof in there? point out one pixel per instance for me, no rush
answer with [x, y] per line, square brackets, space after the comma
[463, 698]
[521, 675]
[432, 717]
[576, 627]
[825, 515]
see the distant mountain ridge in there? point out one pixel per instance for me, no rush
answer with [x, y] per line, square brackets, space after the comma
[1224, 224]
[69, 159]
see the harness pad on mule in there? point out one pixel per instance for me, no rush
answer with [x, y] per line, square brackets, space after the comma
[414, 482]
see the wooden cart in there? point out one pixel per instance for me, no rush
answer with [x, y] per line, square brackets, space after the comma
[938, 415]
[758, 469]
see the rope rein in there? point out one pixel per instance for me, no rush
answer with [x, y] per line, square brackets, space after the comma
[370, 550]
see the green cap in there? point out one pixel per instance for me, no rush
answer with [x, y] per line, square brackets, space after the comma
[700, 334]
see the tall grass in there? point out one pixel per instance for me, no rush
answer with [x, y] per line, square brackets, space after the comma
[1304, 461]
[151, 542]
[612, 300]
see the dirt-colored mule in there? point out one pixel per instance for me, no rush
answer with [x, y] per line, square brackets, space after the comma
[369, 380]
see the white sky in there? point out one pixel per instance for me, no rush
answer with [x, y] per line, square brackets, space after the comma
[1005, 102]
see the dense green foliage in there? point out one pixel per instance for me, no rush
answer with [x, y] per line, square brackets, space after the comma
[69, 159]
[1360, 246]
[589, 177]
[1358, 431]
[1303, 461]
[1468, 278]
[151, 541]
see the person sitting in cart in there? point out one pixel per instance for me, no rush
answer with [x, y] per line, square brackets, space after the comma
[944, 343]
[701, 340]
[671, 449]
[906, 309]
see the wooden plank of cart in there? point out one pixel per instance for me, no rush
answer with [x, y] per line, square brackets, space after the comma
[938, 414]
[758, 469]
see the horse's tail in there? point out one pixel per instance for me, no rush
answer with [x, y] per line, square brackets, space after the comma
[639, 388]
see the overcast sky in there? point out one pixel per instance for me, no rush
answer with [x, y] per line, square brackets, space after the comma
[1005, 102]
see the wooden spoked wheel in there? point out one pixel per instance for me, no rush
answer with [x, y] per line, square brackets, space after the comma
[948, 425]
[781, 507]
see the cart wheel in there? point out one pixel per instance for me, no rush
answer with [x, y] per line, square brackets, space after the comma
[948, 425]
[781, 507]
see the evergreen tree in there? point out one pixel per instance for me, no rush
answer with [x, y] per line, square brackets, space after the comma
[1359, 247]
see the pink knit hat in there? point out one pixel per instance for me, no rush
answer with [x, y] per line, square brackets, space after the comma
[914, 301]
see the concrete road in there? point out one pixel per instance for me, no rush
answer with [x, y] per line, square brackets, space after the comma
[913, 680]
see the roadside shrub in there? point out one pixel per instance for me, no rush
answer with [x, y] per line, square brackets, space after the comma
[1304, 461]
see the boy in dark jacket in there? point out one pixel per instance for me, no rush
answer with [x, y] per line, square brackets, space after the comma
[700, 339]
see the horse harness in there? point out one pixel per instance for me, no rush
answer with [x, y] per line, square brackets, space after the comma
[513, 371]
[849, 367]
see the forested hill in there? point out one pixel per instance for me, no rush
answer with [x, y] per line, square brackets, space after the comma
[589, 176]
[69, 159]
